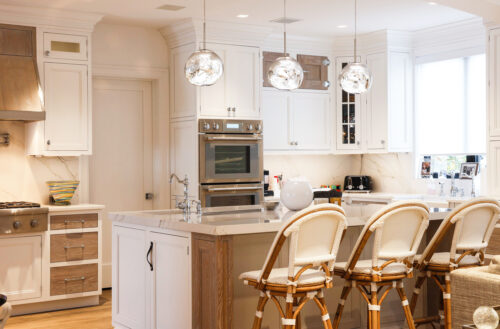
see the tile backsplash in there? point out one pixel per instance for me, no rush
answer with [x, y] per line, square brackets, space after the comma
[23, 177]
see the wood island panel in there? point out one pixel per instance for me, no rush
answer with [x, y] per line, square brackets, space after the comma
[63, 222]
[212, 266]
[73, 246]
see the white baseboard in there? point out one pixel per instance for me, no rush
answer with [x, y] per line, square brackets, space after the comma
[106, 275]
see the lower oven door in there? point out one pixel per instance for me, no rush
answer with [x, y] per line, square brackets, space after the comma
[231, 195]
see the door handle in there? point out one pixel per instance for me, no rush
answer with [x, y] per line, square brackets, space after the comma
[222, 189]
[149, 196]
[150, 250]
[256, 138]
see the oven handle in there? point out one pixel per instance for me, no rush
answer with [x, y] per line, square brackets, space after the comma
[207, 138]
[219, 189]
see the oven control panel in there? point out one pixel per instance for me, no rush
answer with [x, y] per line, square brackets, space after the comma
[227, 126]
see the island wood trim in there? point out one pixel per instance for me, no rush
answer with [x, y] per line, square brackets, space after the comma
[212, 267]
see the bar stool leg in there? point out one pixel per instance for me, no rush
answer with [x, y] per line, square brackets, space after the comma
[374, 308]
[447, 302]
[288, 314]
[406, 307]
[416, 292]
[325, 316]
[257, 322]
[340, 308]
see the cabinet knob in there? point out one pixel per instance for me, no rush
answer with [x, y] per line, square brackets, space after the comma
[48, 141]
[326, 84]
[47, 52]
[326, 62]
[382, 142]
[357, 143]
[233, 109]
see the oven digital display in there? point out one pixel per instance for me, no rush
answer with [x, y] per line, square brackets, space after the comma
[232, 126]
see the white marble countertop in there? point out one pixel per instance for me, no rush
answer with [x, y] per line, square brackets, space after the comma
[73, 207]
[225, 221]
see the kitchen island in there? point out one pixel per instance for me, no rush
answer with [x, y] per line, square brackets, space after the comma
[177, 272]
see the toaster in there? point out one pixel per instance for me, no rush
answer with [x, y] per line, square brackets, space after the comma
[358, 184]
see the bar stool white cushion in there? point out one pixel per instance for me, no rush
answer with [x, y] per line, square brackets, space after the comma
[280, 276]
[365, 267]
[443, 258]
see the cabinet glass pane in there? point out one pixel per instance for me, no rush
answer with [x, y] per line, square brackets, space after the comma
[344, 96]
[352, 134]
[352, 98]
[352, 113]
[67, 47]
[345, 134]
[344, 113]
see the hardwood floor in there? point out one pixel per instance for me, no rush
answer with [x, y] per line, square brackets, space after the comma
[95, 317]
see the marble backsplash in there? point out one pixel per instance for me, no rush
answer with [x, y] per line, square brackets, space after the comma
[23, 177]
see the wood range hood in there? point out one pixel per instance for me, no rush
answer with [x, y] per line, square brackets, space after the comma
[20, 91]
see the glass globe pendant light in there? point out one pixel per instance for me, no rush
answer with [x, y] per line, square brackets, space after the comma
[204, 67]
[355, 78]
[285, 72]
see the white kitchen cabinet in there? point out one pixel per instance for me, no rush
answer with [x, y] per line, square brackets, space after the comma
[235, 94]
[349, 123]
[151, 279]
[66, 97]
[65, 46]
[388, 111]
[21, 263]
[494, 167]
[296, 121]
[130, 286]
[171, 282]
[494, 82]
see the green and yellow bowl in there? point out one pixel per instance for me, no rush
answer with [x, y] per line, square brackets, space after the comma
[62, 191]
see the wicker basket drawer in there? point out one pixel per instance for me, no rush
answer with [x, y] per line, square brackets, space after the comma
[73, 246]
[62, 222]
[73, 279]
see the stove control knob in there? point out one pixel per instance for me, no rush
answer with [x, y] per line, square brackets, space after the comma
[216, 126]
[258, 127]
[250, 127]
[206, 126]
[34, 223]
[16, 224]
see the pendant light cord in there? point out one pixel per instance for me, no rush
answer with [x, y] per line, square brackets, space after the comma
[355, 28]
[204, 26]
[284, 28]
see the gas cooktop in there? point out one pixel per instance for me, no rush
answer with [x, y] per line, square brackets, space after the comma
[18, 204]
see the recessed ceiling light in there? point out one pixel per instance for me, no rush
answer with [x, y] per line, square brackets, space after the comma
[242, 16]
[432, 3]
[341, 26]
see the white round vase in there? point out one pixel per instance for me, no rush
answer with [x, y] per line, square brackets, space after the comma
[296, 195]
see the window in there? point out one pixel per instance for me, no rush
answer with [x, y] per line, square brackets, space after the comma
[450, 110]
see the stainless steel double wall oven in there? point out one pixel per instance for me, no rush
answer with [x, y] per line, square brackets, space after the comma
[231, 162]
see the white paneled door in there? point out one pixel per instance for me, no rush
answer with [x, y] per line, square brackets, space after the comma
[121, 167]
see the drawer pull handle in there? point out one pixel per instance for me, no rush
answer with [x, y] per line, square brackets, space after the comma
[81, 278]
[70, 247]
[82, 221]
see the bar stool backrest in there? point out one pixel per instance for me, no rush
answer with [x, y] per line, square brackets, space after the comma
[315, 234]
[399, 228]
[474, 223]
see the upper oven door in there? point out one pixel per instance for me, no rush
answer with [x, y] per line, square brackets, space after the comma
[228, 158]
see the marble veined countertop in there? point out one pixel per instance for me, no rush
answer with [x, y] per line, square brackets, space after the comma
[238, 220]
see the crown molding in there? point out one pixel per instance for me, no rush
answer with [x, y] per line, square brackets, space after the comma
[191, 30]
[448, 38]
[48, 18]
[299, 44]
[373, 42]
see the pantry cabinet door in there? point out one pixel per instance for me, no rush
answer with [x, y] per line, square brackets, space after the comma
[66, 106]
[494, 168]
[171, 284]
[276, 120]
[243, 81]
[213, 98]
[130, 270]
[377, 104]
[494, 82]
[310, 121]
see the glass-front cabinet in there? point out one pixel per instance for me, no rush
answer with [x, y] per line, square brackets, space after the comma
[348, 114]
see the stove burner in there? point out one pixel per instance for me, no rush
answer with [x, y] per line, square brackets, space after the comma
[18, 204]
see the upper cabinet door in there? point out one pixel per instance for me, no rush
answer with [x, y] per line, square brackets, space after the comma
[376, 103]
[310, 121]
[236, 93]
[242, 81]
[66, 97]
[182, 93]
[315, 72]
[275, 113]
[494, 82]
[348, 114]
[65, 46]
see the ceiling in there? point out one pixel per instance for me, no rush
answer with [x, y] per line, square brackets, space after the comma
[318, 17]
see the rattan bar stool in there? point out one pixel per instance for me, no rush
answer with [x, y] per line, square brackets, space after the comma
[315, 234]
[398, 228]
[473, 223]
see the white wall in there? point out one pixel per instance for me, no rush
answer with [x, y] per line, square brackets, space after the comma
[124, 45]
